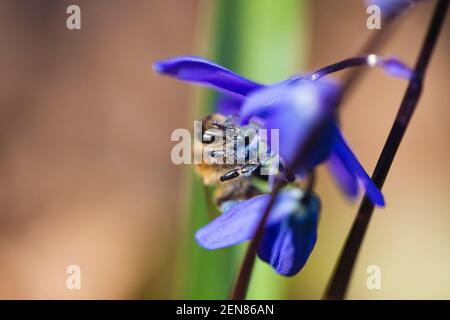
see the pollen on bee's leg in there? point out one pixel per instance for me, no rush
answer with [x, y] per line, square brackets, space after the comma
[230, 175]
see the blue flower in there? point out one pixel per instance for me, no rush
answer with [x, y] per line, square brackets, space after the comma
[290, 232]
[293, 107]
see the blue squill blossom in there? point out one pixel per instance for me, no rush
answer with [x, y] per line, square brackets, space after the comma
[290, 232]
[293, 106]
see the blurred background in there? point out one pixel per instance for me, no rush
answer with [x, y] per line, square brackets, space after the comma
[85, 124]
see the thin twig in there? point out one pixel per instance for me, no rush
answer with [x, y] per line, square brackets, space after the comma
[338, 286]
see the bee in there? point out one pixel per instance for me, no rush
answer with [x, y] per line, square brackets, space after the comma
[229, 165]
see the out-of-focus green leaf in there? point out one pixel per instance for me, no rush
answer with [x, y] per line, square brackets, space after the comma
[276, 46]
[264, 40]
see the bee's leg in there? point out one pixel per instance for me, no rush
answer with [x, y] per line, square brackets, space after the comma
[230, 175]
[210, 135]
[248, 168]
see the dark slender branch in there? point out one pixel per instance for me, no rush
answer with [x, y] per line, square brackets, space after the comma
[371, 60]
[338, 66]
[309, 187]
[339, 282]
[311, 182]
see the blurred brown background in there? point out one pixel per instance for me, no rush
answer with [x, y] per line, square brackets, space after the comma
[86, 176]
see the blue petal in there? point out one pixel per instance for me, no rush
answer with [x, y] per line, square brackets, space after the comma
[263, 102]
[343, 152]
[287, 245]
[294, 109]
[229, 105]
[391, 8]
[293, 91]
[239, 223]
[343, 176]
[396, 68]
[292, 134]
[205, 72]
